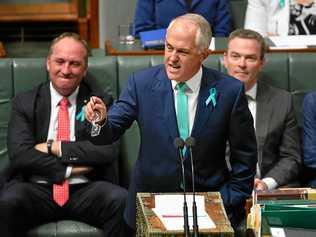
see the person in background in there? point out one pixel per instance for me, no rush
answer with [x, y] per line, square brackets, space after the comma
[182, 98]
[309, 139]
[157, 14]
[281, 17]
[277, 132]
[55, 173]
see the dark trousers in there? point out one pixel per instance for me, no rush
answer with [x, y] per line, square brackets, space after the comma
[24, 205]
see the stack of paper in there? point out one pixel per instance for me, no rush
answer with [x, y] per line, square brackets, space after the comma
[293, 41]
[169, 209]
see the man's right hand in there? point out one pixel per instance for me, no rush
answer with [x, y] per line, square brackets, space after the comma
[95, 105]
[260, 185]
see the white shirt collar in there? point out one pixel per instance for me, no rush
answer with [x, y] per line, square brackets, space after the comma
[56, 97]
[252, 92]
[193, 83]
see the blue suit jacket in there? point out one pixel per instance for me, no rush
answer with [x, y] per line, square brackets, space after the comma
[156, 14]
[309, 139]
[148, 99]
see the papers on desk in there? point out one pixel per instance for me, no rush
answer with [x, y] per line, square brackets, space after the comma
[293, 41]
[169, 209]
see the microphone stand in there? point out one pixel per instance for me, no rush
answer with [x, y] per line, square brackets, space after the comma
[190, 142]
[179, 144]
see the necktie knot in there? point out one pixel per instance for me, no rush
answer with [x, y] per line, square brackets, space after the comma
[63, 129]
[250, 98]
[64, 102]
[182, 87]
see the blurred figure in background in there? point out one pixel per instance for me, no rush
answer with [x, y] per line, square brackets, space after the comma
[157, 14]
[281, 17]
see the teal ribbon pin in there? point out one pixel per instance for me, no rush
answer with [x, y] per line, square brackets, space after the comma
[212, 97]
[282, 3]
[80, 116]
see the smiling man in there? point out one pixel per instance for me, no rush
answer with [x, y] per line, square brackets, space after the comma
[213, 109]
[50, 155]
[279, 155]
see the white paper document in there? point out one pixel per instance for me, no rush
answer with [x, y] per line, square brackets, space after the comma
[169, 209]
[293, 41]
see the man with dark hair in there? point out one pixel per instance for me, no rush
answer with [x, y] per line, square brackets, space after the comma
[55, 173]
[279, 153]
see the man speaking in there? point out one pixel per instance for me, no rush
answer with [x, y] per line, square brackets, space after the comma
[178, 99]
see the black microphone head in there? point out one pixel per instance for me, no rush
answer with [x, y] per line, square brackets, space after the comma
[190, 142]
[178, 142]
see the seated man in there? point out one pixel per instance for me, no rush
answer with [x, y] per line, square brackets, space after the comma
[156, 14]
[278, 140]
[309, 139]
[55, 173]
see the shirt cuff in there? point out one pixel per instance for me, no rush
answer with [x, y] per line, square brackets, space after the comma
[68, 172]
[270, 182]
[60, 153]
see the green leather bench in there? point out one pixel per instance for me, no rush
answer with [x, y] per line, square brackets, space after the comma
[290, 71]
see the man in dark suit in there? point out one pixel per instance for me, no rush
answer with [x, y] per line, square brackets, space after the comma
[217, 112]
[47, 153]
[279, 153]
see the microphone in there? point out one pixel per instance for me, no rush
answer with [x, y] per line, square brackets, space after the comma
[190, 142]
[179, 144]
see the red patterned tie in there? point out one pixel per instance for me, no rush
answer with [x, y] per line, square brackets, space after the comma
[61, 191]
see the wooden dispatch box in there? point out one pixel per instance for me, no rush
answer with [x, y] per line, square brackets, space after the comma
[149, 225]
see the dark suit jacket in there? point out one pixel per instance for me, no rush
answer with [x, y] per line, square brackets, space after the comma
[156, 14]
[278, 139]
[28, 126]
[148, 98]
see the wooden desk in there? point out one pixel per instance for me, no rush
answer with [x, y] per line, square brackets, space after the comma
[148, 224]
[2, 51]
[113, 47]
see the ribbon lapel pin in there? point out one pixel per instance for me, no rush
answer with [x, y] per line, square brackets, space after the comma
[80, 116]
[211, 97]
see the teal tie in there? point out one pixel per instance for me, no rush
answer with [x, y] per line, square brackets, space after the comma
[182, 114]
[182, 110]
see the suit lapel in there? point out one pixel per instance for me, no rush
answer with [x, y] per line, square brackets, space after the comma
[43, 111]
[203, 111]
[194, 2]
[164, 98]
[82, 98]
[263, 116]
[184, 3]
